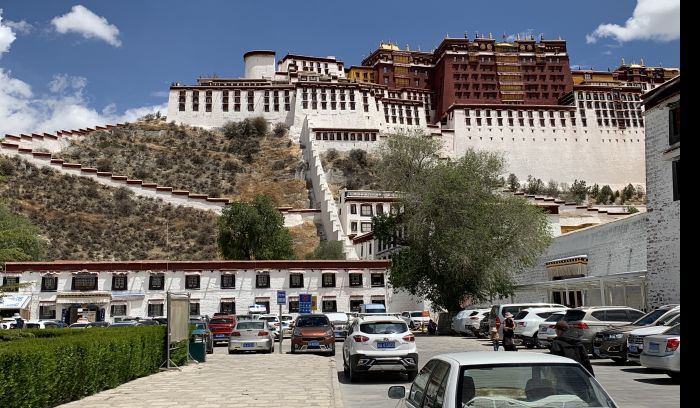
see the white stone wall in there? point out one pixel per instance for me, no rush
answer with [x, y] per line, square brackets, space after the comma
[210, 293]
[612, 248]
[322, 193]
[259, 66]
[663, 246]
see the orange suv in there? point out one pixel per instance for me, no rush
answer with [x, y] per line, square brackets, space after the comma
[313, 333]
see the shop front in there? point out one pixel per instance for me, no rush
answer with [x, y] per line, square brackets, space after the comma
[15, 304]
[88, 306]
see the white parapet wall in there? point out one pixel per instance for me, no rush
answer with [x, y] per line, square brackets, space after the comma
[323, 195]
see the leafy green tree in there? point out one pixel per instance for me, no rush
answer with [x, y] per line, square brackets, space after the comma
[254, 230]
[552, 189]
[578, 191]
[327, 250]
[513, 182]
[19, 238]
[605, 195]
[534, 186]
[627, 193]
[405, 155]
[594, 190]
[460, 238]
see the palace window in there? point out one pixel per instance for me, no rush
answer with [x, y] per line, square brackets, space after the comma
[262, 280]
[155, 309]
[227, 306]
[355, 279]
[119, 282]
[49, 283]
[84, 282]
[192, 281]
[228, 281]
[118, 310]
[328, 280]
[377, 280]
[296, 280]
[11, 280]
[156, 282]
[194, 308]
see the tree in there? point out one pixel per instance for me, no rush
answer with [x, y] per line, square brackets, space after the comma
[627, 193]
[594, 190]
[461, 238]
[534, 186]
[254, 230]
[19, 238]
[513, 182]
[327, 250]
[403, 156]
[578, 191]
[605, 195]
[552, 189]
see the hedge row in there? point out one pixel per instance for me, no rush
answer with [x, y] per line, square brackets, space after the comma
[48, 371]
[24, 334]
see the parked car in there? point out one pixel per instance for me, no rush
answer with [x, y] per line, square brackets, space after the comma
[102, 324]
[200, 325]
[273, 321]
[635, 338]
[379, 343]
[251, 335]
[286, 320]
[546, 332]
[41, 324]
[484, 326]
[527, 325]
[468, 323]
[368, 308]
[125, 323]
[416, 319]
[612, 343]
[313, 333]
[586, 322]
[488, 379]
[221, 327]
[498, 312]
[340, 322]
[79, 325]
[663, 351]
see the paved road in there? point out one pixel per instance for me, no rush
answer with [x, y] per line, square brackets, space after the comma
[239, 380]
[630, 385]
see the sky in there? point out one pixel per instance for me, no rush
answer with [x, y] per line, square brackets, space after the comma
[67, 64]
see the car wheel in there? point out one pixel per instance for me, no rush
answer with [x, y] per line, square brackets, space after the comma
[332, 352]
[532, 344]
[231, 352]
[293, 351]
[411, 375]
[353, 376]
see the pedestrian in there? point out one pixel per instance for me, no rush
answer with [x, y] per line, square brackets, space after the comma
[494, 338]
[19, 322]
[567, 346]
[508, 333]
[432, 327]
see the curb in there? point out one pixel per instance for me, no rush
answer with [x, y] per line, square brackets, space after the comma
[337, 398]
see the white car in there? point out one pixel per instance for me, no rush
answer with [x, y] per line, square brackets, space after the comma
[635, 338]
[467, 321]
[273, 321]
[527, 324]
[41, 324]
[416, 319]
[488, 379]
[379, 343]
[340, 322]
[546, 332]
[663, 352]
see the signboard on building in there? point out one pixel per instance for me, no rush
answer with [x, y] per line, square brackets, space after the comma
[304, 303]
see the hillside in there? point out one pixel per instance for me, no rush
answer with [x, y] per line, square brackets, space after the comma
[198, 160]
[82, 219]
[353, 170]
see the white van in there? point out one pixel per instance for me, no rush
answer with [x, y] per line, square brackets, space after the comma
[498, 312]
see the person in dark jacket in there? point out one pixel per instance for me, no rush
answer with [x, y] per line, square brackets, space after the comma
[566, 346]
[508, 333]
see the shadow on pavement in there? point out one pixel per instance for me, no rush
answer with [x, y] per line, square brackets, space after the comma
[659, 381]
[387, 378]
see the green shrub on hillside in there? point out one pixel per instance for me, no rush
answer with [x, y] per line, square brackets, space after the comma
[41, 372]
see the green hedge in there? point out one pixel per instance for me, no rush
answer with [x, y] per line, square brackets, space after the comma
[58, 368]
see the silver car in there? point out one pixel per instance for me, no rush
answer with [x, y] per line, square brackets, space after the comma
[251, 335]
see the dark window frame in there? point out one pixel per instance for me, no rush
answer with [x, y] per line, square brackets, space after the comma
[152, 280]
[120, 282]
[46, 287]
[192, 281]
[298, 277]
[153, 307]
[112, 308]
[326, 284]
[83, 277]
[674, 124]
[231, 278]
[262, 283]
[676, 174]
[357, 282]
[377, 284]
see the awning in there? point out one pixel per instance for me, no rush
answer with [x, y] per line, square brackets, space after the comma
[329, 271]
[69, 298]
[328, 297]
[228, 272]
[570, 266]
[128, 295]
[357, 297]
[380, 297]
[14, 301]
[588, 282]
[156, 301]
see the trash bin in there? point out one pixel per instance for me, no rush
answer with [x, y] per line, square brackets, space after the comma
[198, 345]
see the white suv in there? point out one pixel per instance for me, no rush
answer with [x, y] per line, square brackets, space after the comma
[416, 319]
[527, 324]
[379, 343]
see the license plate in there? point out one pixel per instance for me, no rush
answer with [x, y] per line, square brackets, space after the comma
[386, 344]
[313, 343]
[632, 348]
[220, 335]
[654, 347]
[248, 345]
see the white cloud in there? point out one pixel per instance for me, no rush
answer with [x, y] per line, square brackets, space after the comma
[88, 24]
[63, 108]
[522, 35]
[160, 94]
[21, 27]
[7, 36]
[658, 20]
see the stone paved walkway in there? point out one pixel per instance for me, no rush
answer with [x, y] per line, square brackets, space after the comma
[239, 380]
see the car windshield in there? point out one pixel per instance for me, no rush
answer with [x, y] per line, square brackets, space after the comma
[416, 314]
[220, 321]
[268, 318]
[250, 325]
[555, 317]
[650, 317]
[674, 330]
[674, 321]
[202, 326]
[529, 385]
[383, 327]
[315, 321]
[521, 315]
[286, 318]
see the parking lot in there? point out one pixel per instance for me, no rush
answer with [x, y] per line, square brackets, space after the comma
[629, 385]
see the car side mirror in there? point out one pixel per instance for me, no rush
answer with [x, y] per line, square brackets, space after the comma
[397, 392]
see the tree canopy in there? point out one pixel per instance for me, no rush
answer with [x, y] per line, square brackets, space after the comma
[327, 250]
[254, 230]
[461, 238]
[19, 238]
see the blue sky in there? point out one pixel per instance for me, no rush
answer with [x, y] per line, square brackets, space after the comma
[62, 65]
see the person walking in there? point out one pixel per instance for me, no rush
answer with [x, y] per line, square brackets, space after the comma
[494, 338]
[508, 333]
[568, 346]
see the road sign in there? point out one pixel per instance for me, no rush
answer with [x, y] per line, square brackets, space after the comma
[304, 303]
[281, 297]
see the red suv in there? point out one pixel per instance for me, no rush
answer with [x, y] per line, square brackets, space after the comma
[221, 327]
